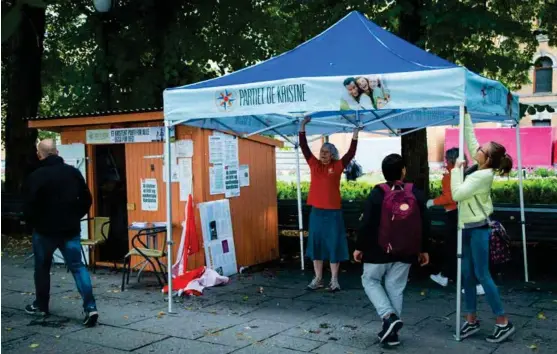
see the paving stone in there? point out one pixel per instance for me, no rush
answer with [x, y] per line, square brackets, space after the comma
[9, 333]
[356, 297]
[245, 334]
[117, 338]
[192, 326]
[286, 311]
[50, 345]
[547, 304]
[334, 348]
[528, 340]
[281, 293]
[116, 312]
[179, 345]
[544, 319]
[245, 298]
[52, 325]
[351, 332]
[258, 348]
[294, 343]
[230, 308]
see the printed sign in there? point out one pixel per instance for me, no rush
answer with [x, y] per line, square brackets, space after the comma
[127, 135]
[149, 195]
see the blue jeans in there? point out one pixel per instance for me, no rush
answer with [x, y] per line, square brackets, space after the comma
[475, 268]
[43, 248]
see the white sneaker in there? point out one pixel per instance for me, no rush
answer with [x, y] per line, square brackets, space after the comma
[315, 284]
[439, 279]
[479, 290]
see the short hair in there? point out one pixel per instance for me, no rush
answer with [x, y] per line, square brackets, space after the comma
[451, 155]
[392, 167]
[349, 80]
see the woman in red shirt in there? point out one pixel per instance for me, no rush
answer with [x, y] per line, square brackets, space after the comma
[327, 234]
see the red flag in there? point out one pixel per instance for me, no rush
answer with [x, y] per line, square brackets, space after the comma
[192, 240]
[189, 243]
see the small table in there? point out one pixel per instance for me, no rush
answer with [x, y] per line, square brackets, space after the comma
[152, 241]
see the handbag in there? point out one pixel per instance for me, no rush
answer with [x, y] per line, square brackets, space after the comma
[499, 240]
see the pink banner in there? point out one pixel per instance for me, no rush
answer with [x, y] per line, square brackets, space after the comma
[538, 143]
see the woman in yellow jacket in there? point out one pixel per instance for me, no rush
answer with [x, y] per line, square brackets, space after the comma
[474, 198]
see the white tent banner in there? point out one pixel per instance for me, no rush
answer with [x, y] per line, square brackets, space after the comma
[362, 92]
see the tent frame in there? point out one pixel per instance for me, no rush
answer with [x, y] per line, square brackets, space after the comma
[294, 119]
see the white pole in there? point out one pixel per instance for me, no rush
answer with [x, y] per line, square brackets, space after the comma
[169, 241]
[299, 193]
[521, 194]
[459, 233]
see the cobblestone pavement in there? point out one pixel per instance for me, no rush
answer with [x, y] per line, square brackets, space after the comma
[265, 312]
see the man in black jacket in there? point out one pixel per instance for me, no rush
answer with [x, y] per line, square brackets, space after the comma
[380, 265]
[56, 199]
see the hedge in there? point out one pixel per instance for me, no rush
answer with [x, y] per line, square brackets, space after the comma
[536, 191]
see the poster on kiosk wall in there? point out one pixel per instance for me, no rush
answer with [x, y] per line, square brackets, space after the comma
[218, 237]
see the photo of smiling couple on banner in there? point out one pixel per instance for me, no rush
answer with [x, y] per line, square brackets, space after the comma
[364, 92]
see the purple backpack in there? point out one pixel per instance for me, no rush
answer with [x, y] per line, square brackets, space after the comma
[499, 240]
[400, 227]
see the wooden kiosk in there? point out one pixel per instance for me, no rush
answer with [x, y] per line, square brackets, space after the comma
[114, 169]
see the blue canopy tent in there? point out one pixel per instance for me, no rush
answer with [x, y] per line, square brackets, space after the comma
[354, 74]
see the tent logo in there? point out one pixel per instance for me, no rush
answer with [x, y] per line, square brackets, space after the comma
[225, 100]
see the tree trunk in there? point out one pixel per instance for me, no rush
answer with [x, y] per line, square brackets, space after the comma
[24, 93]
[414, 145]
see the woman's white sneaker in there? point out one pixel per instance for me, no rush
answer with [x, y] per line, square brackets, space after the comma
[439, 279]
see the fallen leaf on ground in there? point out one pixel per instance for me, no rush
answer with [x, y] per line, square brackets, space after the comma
[261, 290]
[189, 308]
[34, 345]
[57, 336]
[126, 317]
[422, 293]
[541, 316]
[533, 347]
[245, 298]
[9, 329]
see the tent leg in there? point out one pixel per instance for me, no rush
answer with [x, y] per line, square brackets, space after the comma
[169, 241]
[521, 194]
[299, 193]
[459, 233]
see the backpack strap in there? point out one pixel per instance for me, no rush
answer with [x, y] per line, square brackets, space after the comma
[385, 188]
[408, 187]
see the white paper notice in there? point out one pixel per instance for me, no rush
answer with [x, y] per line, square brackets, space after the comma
[149, 195]
[244, 175]
[185, 177]
[216, 149]
[216, 179]
[231, 165]
[174, 165]
[184, 148]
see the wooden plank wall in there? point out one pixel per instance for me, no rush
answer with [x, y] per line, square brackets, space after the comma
[254, 213]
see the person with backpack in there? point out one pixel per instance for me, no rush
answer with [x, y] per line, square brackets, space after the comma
[474, 196]
[393, 235]
[327, 234]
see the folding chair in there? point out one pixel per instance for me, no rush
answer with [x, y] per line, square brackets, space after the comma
[141, 247]
[101, 228]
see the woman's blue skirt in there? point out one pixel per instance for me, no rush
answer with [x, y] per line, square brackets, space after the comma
[327, 236]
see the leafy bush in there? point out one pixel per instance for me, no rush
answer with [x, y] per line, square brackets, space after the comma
[536, 191]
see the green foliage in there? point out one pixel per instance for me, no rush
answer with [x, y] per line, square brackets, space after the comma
[536, 191]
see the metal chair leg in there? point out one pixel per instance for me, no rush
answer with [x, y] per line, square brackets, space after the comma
[124, 273]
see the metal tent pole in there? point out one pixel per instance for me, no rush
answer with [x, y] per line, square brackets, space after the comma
[521, 194]
[169, 241]
[299, 193]
[459, 233]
